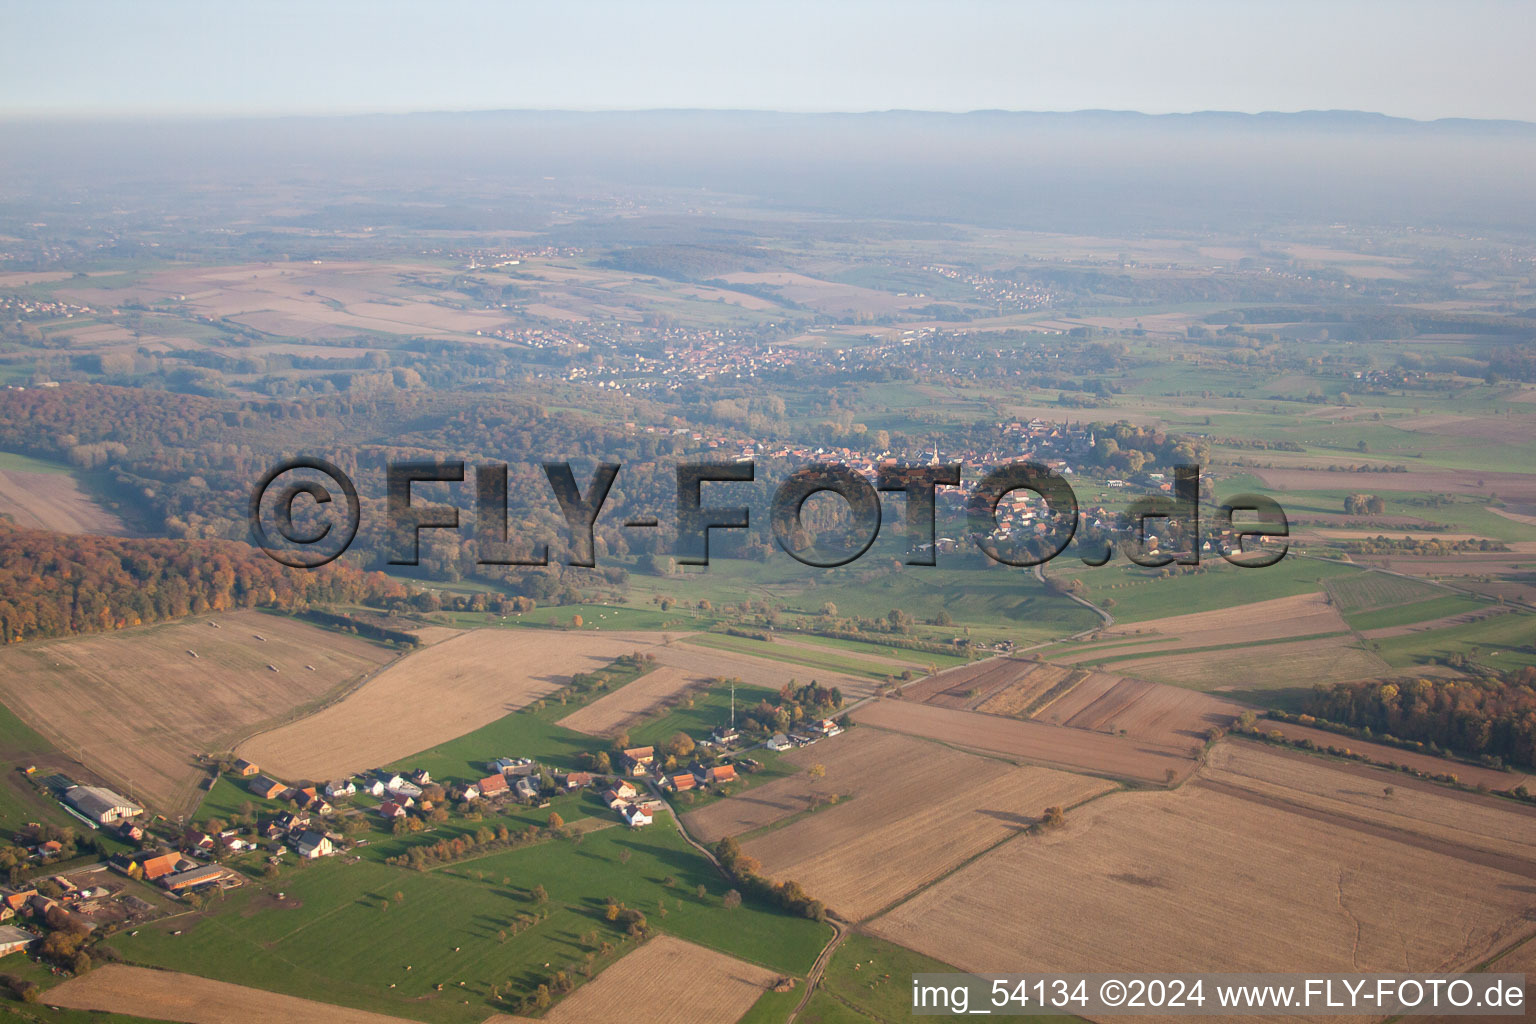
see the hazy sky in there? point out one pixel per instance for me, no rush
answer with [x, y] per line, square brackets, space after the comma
[1413, 58]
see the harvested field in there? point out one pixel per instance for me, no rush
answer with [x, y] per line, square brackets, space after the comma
[667, 981]
[1326, 659]
[1016, 698]
[166, 995]
[1469, 773]
[1140, 709]
[53, 501]
[617, 711]
[855, 763]
[918, 811]
[706, 662]
[1072, 749]
[1005, 681]
[451, 688]
[429, 635]
[1301, 615]
[138, 705]
[1304, 615]
[1350, 792]
[1176, 881]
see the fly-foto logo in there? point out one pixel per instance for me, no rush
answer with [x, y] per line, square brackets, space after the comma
[328, 525]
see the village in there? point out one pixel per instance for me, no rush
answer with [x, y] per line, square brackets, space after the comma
[305, 821]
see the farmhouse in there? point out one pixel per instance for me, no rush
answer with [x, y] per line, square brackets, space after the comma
[636, 816]
[525, 790]
[340, 788]
[638, 759]
[186, 881]
[826, 727]
[493, 785]
[390, 809]
[576, 780]
[100, 804]
[680, 782]
[13, 940]
[245, 768]
[619, 795]
[778, 742]
[265, 787]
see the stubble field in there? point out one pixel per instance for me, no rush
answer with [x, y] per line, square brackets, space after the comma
[1380, 798]
[916, 811]
[667, 981]
[167, 995]
[138, 705]
[1051, 745]
[53, 501]
[1198, 880]
[433, 695]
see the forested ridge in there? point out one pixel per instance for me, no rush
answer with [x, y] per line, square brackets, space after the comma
[54, 584]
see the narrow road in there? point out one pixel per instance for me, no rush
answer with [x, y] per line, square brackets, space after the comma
[819, 967]
[839, 931]
[1109, 620]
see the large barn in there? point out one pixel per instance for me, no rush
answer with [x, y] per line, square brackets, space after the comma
[100, 804]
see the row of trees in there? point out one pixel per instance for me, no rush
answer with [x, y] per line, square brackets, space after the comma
[747, 873]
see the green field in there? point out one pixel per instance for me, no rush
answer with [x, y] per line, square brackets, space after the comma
[871, 979]
[335, 940]
[18, 463]
[1504, 642]
[1419, 611]
[1368, 591]
[20, 800]
[829, 661]
[1140, 594]
[918, 659]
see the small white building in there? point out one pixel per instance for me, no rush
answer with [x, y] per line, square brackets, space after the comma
[340, 788]
[636, 816]
[778, 742]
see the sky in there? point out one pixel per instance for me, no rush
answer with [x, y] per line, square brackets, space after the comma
[1408, 58]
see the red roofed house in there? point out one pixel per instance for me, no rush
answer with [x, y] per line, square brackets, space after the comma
[679, 783]
[157, 867]
[493, 785]
[719, 773]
